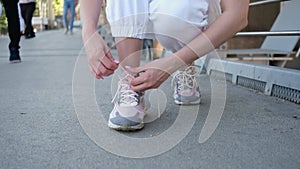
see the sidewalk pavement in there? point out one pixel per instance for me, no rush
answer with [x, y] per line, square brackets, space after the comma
[39, 127]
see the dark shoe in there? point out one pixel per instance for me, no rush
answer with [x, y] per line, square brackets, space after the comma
[30, 36]
[14, 55]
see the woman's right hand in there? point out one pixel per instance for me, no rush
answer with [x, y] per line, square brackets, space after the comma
[101, 62]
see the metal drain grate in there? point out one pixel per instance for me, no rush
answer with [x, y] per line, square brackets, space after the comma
[282, 92]
[272, 81]
[228, 77]
[251, 83]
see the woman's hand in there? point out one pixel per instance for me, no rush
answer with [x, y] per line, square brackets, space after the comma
[154, 73]
[101, 62]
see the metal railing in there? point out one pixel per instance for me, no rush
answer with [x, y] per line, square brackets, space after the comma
[268, 33]
[266, 2]
[272, 33]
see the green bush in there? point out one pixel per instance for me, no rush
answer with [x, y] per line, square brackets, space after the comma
[3, 23]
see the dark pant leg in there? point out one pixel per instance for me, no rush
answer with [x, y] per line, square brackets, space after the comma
[23, 13]
[30, 15]
[27, 14]
[11, 10]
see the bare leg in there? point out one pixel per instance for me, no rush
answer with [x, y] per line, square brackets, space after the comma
[129, 51]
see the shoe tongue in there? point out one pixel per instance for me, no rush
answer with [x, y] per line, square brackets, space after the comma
[128, 104]
[126, 98]
[128, 101]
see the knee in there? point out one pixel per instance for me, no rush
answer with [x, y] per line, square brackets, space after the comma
[172, 32]
[169, 43]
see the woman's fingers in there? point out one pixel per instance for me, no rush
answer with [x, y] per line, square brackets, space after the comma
[102, 67]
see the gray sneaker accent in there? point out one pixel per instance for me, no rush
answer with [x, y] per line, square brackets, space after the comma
[126, 121]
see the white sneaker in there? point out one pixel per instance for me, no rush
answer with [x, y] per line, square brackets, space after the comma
[186, 88]
[128, 112]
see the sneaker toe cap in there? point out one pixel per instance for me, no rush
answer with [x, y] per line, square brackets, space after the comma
[126, 121]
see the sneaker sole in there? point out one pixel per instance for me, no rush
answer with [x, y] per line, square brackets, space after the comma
[15, 61]
[125, 128]
[187, 102]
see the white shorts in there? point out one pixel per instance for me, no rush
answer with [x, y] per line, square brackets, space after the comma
[172, 23]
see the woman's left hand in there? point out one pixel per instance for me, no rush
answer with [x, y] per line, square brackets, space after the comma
[153, 74]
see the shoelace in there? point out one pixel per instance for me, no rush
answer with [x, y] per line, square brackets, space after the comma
[126, 95]
[186, 78]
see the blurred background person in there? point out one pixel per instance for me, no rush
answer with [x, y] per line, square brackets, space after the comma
[12, 14]
[27, 10]
[69, 5]
[22, 24]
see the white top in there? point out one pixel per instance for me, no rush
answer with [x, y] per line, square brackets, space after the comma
[26, 1]
[214, 10]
